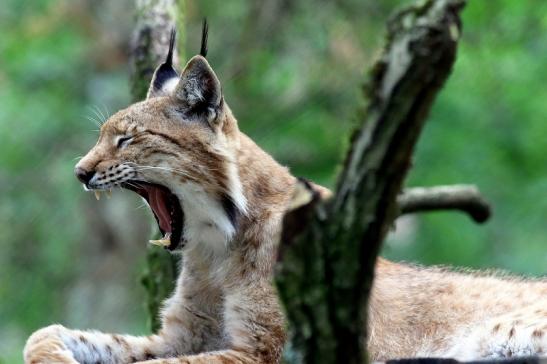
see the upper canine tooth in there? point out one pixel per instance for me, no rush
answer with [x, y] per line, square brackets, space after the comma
[97, 195]
[108, 193]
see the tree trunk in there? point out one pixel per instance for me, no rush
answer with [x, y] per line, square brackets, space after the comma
[154, 21]
[326, 274]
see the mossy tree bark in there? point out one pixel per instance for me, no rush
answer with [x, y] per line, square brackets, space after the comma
[154, 21]
[326, 272]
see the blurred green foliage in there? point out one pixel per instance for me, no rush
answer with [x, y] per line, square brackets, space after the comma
[292, 72]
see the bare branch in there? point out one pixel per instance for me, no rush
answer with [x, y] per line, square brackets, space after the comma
[465, 198]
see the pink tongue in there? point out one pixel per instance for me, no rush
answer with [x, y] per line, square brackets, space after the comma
[157, 199]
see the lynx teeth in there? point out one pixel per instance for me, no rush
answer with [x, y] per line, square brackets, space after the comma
[98, 194]
[165, 242]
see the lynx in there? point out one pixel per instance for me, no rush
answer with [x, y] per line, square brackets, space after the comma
[219, 199]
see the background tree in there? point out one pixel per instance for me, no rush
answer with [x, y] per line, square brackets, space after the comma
[155, 21]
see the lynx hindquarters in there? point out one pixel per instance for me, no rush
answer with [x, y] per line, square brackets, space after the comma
[435, 312]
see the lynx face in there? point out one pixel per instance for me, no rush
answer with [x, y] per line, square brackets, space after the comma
[177, 150]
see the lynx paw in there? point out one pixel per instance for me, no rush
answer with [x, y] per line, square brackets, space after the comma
[46, 347]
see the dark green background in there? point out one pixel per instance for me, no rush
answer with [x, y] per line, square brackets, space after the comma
[291, 71]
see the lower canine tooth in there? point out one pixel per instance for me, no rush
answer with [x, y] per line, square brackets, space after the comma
[97, 195]
[161, 242]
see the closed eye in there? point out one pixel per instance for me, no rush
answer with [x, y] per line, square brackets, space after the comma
[123, 141]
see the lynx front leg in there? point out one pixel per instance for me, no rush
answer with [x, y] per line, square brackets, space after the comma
[57, 344]
[46, 346]
[253, 329]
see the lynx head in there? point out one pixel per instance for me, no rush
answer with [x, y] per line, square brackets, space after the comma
[177, 150]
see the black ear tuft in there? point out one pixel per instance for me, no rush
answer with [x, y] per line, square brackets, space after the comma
[204, 36]
[165, 77]
[172, 37]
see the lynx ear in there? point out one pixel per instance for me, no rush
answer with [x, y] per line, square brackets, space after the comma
[198, 92]
[165, 77]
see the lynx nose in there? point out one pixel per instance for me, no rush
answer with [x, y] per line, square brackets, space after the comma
[83, 175]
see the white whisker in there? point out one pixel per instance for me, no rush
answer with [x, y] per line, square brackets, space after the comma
[141, 206]
[106, 111]
[100, 113]
[97, 116]
[164, 169]
[131, 184]
[167, 169]
[94, 121]
[100, 117]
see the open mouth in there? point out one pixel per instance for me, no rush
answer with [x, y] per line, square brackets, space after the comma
[167, 211]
